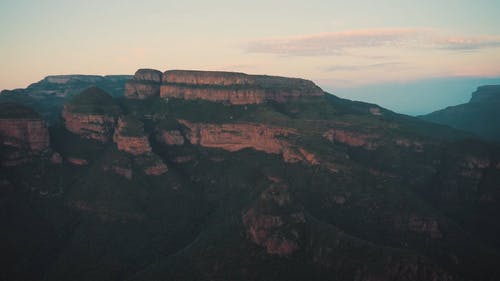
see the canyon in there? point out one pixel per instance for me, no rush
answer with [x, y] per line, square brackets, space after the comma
[208, 175]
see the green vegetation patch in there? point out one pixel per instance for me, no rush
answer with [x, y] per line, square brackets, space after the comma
[132, 126]
[94, 101]
[10, 110]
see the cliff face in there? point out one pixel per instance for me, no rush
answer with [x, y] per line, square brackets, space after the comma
[134, 144]
[226, 95]
[92, 126]
[146, 83]
[234, 137]
[91, 114]
[274, 223]
[31, 134]
[353, 139]
[217, 86]
[21, 134]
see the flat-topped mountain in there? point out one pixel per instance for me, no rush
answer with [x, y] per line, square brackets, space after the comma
[49, 94]
[226, 176]
[228, 87]
[479, 116]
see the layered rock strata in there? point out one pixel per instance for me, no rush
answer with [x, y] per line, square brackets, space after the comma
[237, 136]
[22, 134]
[136, 143]
[227, 87]
[91, 126]
[146, 83]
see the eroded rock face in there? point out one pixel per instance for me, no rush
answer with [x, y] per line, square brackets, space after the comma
[92, 126]
[234, 88]
[133, 144]
[237, 136]
[77, 161]
[152, 164]
[156, 169]
[219, 78]
[274, 222]
[146, 83]
[31, 134]
[231, 96]
[217, 86]
[170, 137]
[350, 138]
[23, 134]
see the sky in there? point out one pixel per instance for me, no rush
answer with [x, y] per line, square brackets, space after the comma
[346, 47]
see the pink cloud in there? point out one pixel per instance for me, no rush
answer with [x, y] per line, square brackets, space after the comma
[339, 43]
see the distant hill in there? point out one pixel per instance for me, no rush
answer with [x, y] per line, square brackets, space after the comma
[479, 116]
[49, 94]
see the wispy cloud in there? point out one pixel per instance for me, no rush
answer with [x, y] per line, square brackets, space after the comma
[376, 66]
[340, 43]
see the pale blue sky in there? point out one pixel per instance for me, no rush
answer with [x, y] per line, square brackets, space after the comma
[338, 44]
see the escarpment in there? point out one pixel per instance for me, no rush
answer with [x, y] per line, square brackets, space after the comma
[237, 136]
[227, 87]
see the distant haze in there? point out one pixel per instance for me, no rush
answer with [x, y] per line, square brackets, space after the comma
[416, 97]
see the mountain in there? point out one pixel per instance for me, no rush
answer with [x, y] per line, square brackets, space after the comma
[195, 175]
[48, 95]
[478, 116]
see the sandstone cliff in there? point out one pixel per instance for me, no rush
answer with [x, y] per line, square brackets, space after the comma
[146, 83]
[91, 114]
[22, 133]
[274, 223]
[237, 136]
[129, 136]
[217, 86]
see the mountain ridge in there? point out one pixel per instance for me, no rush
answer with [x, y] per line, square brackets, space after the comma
[477, 116]
[303, 187]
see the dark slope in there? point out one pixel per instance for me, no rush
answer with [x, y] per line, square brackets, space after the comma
[479, 116]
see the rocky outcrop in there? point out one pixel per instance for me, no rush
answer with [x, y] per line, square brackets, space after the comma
[152, 164]
[237, 136]
[31, 134]
[170, 137]
[91, 126]
[225, 95]
[156, 169]
[131, 140]
[217, 86]
[77, 161]
[91, 114]
[23, 134]
[351, 138]
[415, 145]
[146, 83]
[234, 88]
[122, 171]
[274, 223]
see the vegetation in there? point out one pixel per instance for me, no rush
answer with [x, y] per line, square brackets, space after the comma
[94, 101]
